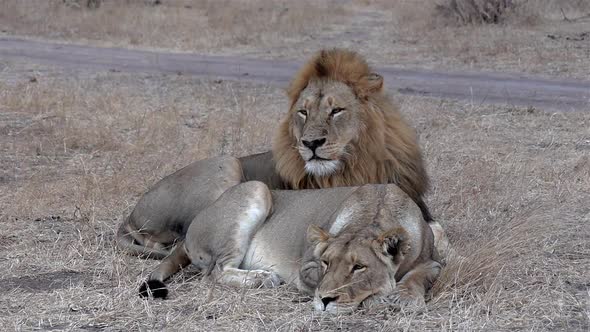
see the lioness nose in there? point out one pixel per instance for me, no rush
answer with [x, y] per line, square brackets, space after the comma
[316, 143]
[326, 300]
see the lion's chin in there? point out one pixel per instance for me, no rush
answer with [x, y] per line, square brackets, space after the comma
[322, 167]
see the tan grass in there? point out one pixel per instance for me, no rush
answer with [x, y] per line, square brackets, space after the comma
[181, 24]
[90, 127]
[509, 184]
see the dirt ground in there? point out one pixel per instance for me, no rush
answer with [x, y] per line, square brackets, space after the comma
[78, 146]
[510, 185]
[477, 88]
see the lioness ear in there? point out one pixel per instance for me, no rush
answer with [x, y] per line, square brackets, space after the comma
[394, 243]
[316, 235]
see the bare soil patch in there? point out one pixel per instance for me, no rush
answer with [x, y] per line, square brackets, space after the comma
[477, 88]
[510, 185]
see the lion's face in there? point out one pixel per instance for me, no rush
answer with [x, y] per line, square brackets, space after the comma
[356, 268]
[325, 121]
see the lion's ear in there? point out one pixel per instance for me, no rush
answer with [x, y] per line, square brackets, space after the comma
[369, 84]
[393, 243]
[374, 82]
[316, 235]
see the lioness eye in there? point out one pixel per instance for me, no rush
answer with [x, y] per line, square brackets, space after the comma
[324, 264]
[358, 267]
[303, 113]
[336, 111]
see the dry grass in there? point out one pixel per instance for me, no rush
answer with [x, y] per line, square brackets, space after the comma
[509, 184]
[181, 24]
[89, 127]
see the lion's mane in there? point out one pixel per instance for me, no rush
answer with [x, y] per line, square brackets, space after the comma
[387, 150]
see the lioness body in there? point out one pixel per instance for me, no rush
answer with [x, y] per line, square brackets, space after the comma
[294, 212]
[240, 242]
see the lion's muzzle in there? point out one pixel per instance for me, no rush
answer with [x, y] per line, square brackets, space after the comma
[313, 144]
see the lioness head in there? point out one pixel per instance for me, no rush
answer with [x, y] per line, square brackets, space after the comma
[356, 266]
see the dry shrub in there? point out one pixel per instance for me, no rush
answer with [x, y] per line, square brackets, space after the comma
[474, 11]
[466, 12]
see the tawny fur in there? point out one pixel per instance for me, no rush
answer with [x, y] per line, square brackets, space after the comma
[387, 150]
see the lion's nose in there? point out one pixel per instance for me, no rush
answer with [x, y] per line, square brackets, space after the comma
[326, 300]
[316, 143]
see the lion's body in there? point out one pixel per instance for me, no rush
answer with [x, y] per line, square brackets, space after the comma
[163, 214]
[367, 142]
[238, 241]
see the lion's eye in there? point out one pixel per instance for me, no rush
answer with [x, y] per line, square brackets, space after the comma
[302, 113]
[336, 111]
[358, 268]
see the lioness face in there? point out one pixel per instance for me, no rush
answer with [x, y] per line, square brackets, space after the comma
[325, 122]
[355, 268]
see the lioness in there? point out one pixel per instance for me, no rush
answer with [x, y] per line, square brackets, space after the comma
[341, 130]
[363, 244]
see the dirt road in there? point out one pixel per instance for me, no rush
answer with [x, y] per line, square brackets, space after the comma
[551, 94]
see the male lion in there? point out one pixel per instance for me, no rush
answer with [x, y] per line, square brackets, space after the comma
[363, 244]
[341, 130]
